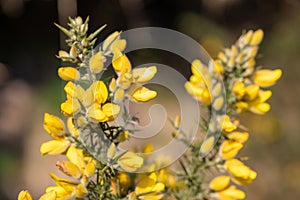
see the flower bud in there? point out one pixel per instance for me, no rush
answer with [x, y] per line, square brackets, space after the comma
[68, 73]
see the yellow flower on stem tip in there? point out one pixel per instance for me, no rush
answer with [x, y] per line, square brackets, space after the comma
[53, 125]
[229, 149]
[96, 63]
[267, 78]
[130, 162]
[241, 174]
[143, 94]
[257, 37]
[54, 147]
[24, 195]
[113, 42]
[230, 193]
[219, 183]
[68, 73]
[149, 189]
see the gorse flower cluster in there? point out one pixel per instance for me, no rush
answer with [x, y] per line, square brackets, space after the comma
[244, 91]
[89, 137]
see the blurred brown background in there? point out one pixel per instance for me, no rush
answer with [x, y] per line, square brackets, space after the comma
[29, 85]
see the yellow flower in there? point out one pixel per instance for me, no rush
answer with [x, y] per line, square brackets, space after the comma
[144, 74]
[219, 183]
[113, 42]
[74, 91]
[259, 105]
[240, 137]
[200, 93]
[124, 80]
[95, 113]
[241, 174]
[227, 125]
[241, 106]
[251, 92]
[143, 94]
[198, 84]
[100, 92]
[230, 149]
[53, 125]
[267, 78]
[51, 195]
[124, 179]
[24, 195]
[63, 54]
[257, 37]
[230, 193]
[76, 156]
[73, 53]
[66, 189]
[200, 71]
[130, 162]
[111, 111]
[54, 147]
[96, 63]
[149, 189]
[70, 107]
[69, 169]
[119, 95]
[68, 73]
[167, 178]
[207, 145]
[121, 63]
[61, 192]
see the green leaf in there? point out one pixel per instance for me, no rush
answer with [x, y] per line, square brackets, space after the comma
[91, 36]
[64, 30]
